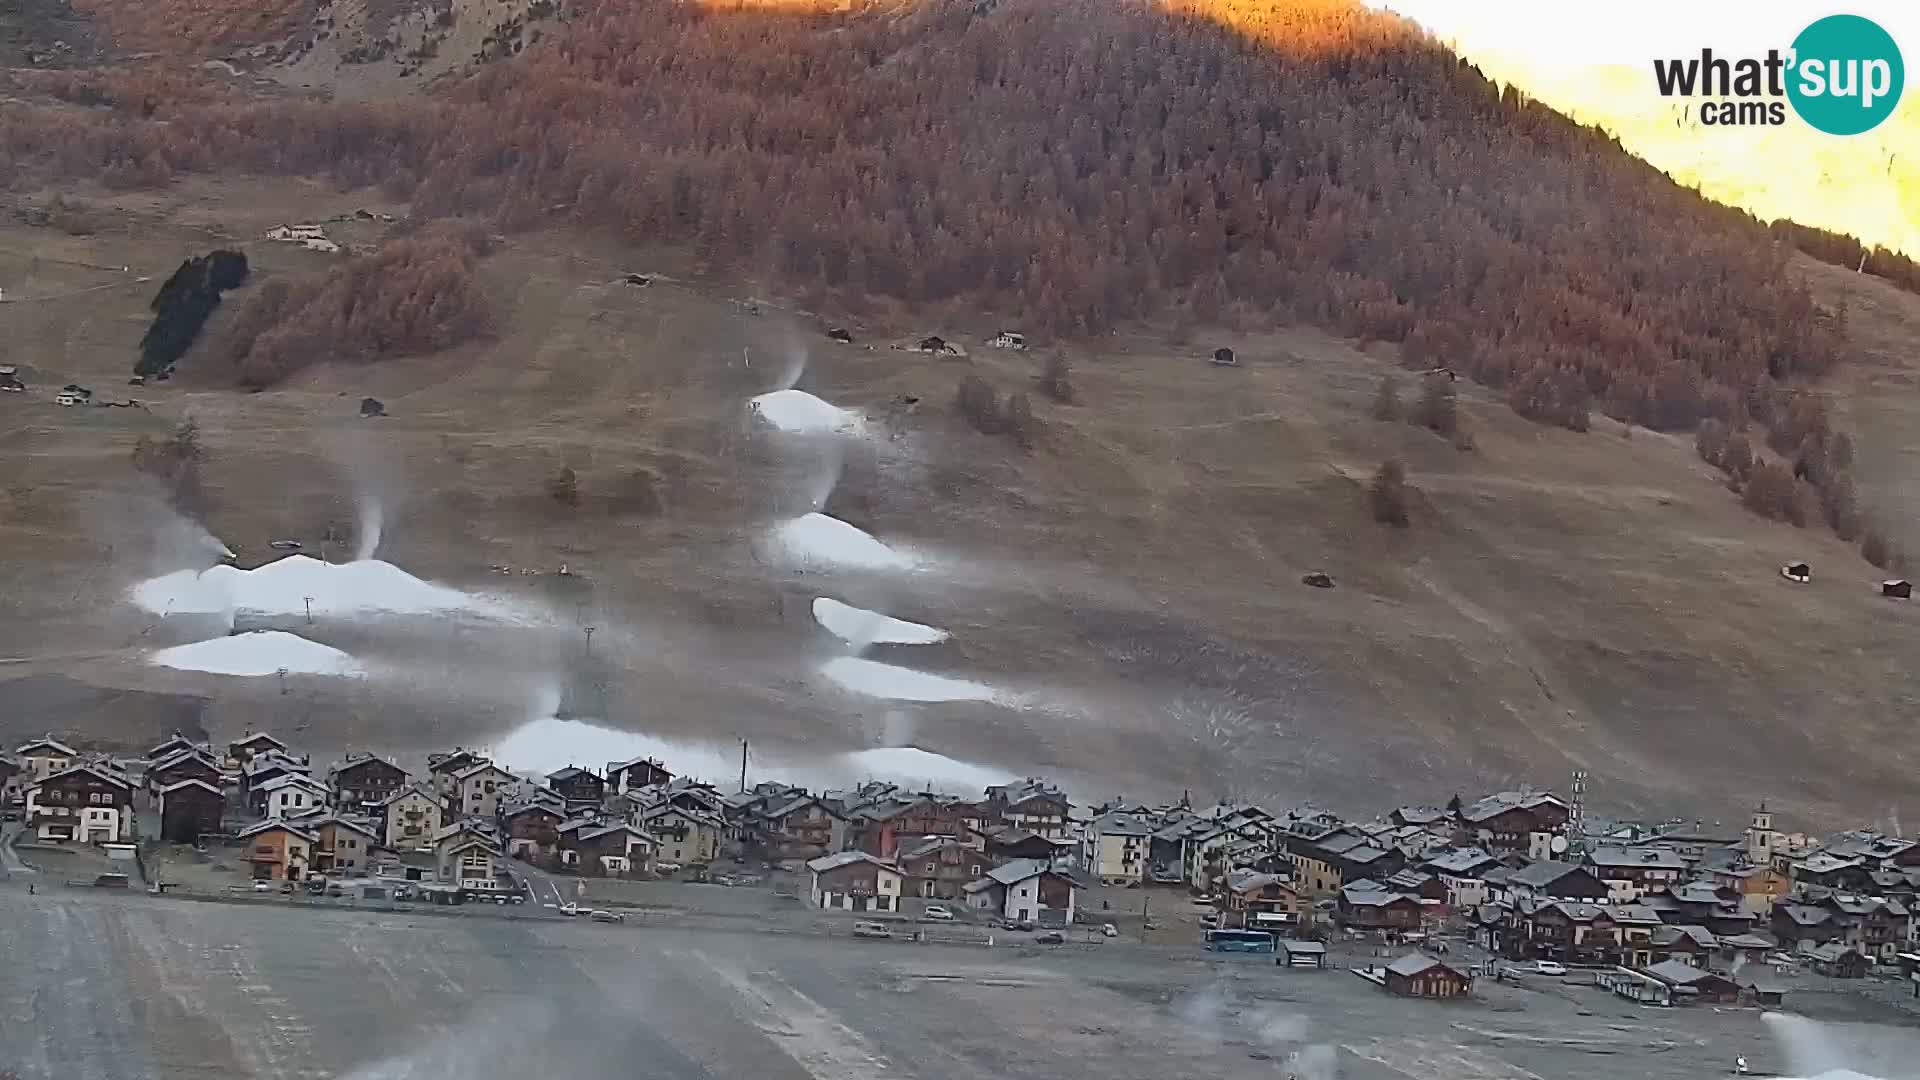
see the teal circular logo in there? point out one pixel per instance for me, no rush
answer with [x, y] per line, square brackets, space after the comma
[1847, 75]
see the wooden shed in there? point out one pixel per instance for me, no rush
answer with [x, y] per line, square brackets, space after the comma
[1419, 975]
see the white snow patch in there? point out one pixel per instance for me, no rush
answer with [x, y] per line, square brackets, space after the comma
[550, 744]
[260, 652]
[910, 764]
[858, 626]
[286, 586]
[879, 680]
[818, 538]
[800, 412]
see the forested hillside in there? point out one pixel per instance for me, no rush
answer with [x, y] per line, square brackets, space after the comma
[1073, 164]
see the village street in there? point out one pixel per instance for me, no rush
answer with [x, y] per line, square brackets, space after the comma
[118, 985]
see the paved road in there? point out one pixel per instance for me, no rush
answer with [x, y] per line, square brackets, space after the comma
[10, 863]
[111, 986]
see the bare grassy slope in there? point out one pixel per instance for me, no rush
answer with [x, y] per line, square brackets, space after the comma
[1559, 600]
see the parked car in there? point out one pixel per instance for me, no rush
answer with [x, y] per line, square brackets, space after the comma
[569, 908]
[263, 886]
[607, 916]
[1548, 967]
[871, 930]
[1109, 930]
[939, 913]
[1051, 937]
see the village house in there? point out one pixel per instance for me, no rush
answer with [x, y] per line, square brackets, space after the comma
[1760, 886]
[1010, 843]
[278, 850]
[1875, 926]
[361, 782]
[1462, 872]
[1420, 975]
[287, 796]
[854, 881]
[533, 833]
[640, 772]
[478, 790]
[173, 744]
[467, 854]
[268, 766]
[342, 846]
[1260, 901]
[614, 850]
[939, 867]
[246, 747]
[1567, 931]
[1551, 880]
[1028, 891]
[190, 808]
[1631, 873]
[582, 789]
[1114, 849]
[187, 763]
[412, 816]
[82, 804]
[880, 830]
[1032, 804]
[800, 829]
[1837, 960]
[1830, 871]
[45, 756]
[10, 786]
[686, 837]
[1338, 857]
[444, 765]
[1517, 821]
[1366, 905]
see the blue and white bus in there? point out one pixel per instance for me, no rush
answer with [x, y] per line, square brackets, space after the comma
[1246, 941]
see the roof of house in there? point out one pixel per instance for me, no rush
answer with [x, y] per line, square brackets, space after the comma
[273, 759]
[1341, 843]
[272, 824]
[799, 802]
[1420, 815]
[1499, 803]
[292, 779]
[1122, 825]
[1831, 951]
[191, 781]
[328, 817]
[1867, 905]
[479, 768]
[1365, 853]
[1415, 963]
[570, 772]
[1578, 912]
[1541, 874]
[1373, 897]
[542, 805]
[1678, 973]
[47, 742]
[1821, 862]
[1633, 913]
[1021, 869]
[355, 761]
[417, 788]
[1805, 915]
[622, 766]
[180, 756]
[599, 831]
[1640, 858]
[98, 769]
[470, 825]
[1463, 861]
[838, 859]
[1246, 881]
[1748, 941]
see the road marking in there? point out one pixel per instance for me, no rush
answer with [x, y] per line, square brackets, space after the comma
[803, 1029]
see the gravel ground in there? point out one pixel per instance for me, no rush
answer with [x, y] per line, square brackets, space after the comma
[132, 986]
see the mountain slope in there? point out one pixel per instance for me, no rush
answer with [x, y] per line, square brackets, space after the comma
[1316, 187]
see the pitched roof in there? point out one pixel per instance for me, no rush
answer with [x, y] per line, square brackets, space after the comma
[1121, 825]
[825, 863]
[256, 736]
[1463, 861]
[1415, 963]
[1020, 870]
[47, 742]
[97, 769]
[478, 768]
[1677, 973]
[620, 826]
[415, 788]
[275, 823]
[1494, 805]
[355, 761]
[191, 781]
[292, 780]
[1541, 874]
[569, 773]
[328, 817]
[1641, 858]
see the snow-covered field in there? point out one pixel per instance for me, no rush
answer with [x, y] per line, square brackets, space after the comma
[801, 413]
[260, 652]
[288, 586]
[818, 539]
[874, 679]
[858, 626]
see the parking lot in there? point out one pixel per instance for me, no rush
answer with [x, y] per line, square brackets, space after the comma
[126, 985]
